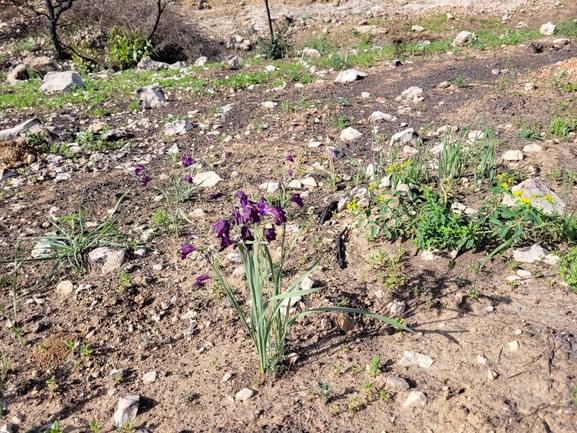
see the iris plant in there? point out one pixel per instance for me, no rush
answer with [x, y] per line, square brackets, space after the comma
[269, 314]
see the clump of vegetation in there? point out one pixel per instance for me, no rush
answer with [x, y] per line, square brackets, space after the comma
[127, 48]
[568, 268]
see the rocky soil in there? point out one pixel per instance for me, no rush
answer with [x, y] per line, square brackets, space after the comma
[133, 338]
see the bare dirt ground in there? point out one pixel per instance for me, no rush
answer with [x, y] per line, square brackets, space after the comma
[532, 388]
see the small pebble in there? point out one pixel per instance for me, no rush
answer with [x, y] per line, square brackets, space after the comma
[244, 394]
[513, 346]
[157, 267]
[518, 332]
[481, 359]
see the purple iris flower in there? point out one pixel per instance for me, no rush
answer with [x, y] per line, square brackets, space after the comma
[187, 160]
[290, 173]
[222, 228]
[215, 195]
[138, 170]
[262, 206]
[296, 198]
[269, 234]
[235, 212]
[279, 215]
[144, 180]
[188, 178]
[201, 279]
[242, 197]
[225, 242]
[290, 158]
[186, 249]
[245, 234]
[249, 212]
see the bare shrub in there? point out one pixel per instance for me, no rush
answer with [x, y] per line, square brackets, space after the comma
[174, 40]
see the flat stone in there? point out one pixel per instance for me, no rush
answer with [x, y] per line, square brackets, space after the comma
[7, 428]
[548, 29]
[443, 85]
[127, 410]
[309, 181]
[540, 195]
[395, 382]
[311, 52]
[201, 61]
[151, 96]
[513, 346]
[350, 134]
[295, 184]
[107, 259]
[365, 95]
[149, 377]
[528, 87]
[206, 179]
[481, 359]
[413, 358]
[65, 288]
[417, 28]
[349, 75]
[463, 38]
[12, 133]
[534, 253]
[244, 394]
[307, 283]
[147, 64]
[406, 137]
[268, 104]
[513, 155]
[57, 82]
[415, 399]
[397, 308]
[524, 274]
[532, 148]
[378, 116]
[178, 127]
[270, 187]
[412, 92]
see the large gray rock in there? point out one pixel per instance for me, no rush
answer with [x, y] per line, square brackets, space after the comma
[541, 197]
[178, 127]
[406, 137]
[350, 75]
[107, 259]
[57, 82]
[127, 410]
[147, 64]
[201, 61]
[463, 38]
[311, 52]
[206, 179]
[32, 66]
[534, 253]
[415, 399]
[12, 133]
[378, 116]
[548, 29]
[350, 134]
[151, 96]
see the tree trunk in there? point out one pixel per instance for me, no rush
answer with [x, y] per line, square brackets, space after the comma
[269, 21]
[60, 54]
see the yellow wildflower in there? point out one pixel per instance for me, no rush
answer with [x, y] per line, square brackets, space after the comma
[517, 194]
[549, 198]
[504, 185]
[525, 200]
